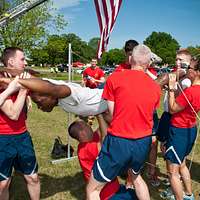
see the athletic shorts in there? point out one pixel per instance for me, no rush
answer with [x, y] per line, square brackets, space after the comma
[179, 143]
[118, 155]
[17, 151]
[155, 122]
[124, 194]
[162, 132]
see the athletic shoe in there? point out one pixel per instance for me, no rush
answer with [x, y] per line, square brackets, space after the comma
[166, 182]
[186, 197]
[166, 193]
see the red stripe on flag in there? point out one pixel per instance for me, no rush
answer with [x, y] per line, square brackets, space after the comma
[98, 15]
[107, 11]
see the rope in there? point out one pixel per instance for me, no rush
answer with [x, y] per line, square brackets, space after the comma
[166, 172]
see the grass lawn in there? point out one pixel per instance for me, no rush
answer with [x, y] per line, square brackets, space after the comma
[64, 181]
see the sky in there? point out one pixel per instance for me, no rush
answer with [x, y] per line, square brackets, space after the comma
[137, 19]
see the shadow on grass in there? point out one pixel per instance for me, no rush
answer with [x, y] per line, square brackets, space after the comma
[50, 186]
[74, 185]
[194, 171]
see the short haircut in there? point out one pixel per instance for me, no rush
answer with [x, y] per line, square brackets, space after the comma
[8, 53]
[141, 55]
[183, 51]
[130, 45]
[77, 126]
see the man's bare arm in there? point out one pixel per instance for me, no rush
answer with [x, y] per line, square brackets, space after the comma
[163, 80]
[45, 87]
[42, 87]
[173, 106]
[13, 109]
[102, 127]
[111, 105]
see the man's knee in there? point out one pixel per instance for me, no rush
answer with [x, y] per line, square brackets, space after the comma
[173, 175]
[32, 179]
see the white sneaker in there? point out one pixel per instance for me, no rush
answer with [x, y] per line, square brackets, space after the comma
[186, 197]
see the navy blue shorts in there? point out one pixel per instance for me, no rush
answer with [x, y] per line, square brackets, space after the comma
[124, 194]
[162, 132]
[179, 143]
[155, 122]
[17, 151]
[118, 155]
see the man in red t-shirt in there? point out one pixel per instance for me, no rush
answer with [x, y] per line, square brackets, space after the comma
[16, 148]
[131, 102]
[88, 149]
[128, 48]
[93, 76]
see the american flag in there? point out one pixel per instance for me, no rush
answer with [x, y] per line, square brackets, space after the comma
[107, 11]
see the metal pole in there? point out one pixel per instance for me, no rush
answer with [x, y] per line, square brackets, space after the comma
[70, 63]
[69, 80]
[19, 10]
[69, 119]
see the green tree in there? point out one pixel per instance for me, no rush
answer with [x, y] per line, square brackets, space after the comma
[81, 50]
[195, 51]
[39, 56]
[55, 50]
[3, 5]
[55, 47]
[113, 57]
[27, 30]
[93, 43]
[163, 45]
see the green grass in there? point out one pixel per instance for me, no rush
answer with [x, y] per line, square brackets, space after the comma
[60, 76]
[45, 72]
[64, 181]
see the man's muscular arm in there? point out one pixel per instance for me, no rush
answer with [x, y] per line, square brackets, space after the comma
[41, 86]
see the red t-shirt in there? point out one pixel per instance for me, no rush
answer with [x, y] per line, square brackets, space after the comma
[136, 96]
[95, 73]
[153, 71]
[87, 154]
[11, 127]
[187, 118]
[122, 67]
